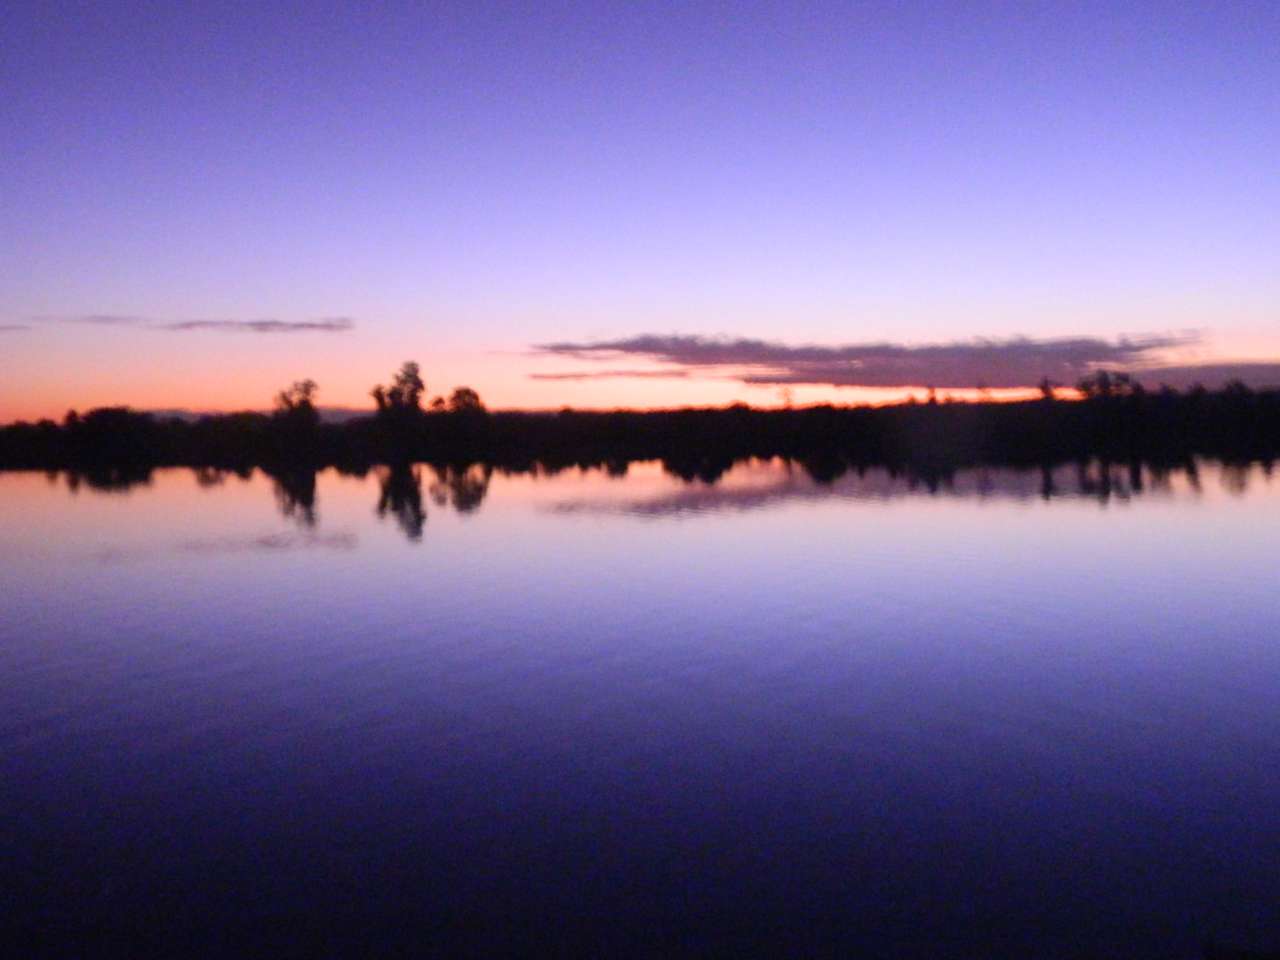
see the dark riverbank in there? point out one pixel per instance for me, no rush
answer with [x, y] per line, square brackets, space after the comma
[1234, 424]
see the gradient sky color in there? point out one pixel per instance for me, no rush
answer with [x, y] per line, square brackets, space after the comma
[465, 181]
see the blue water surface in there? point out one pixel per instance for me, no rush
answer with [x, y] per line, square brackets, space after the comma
[999, 714]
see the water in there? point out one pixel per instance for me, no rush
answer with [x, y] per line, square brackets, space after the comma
[1012, 714]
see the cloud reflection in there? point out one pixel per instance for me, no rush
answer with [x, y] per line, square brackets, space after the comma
[273, 542]
[761, 485]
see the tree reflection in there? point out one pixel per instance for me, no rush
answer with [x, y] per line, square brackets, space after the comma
[400, 494]
[109, 478]
[463, 488]
[1048, 488]
[824, 469]
[207, 477]
[1235, 478]
[295, 492]
[708, 469]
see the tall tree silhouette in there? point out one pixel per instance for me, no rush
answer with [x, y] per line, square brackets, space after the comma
[400, 417]
[297, 403]
[293, 426]
[404, 394]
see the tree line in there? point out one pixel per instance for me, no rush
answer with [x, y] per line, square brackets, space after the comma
[1114, 419]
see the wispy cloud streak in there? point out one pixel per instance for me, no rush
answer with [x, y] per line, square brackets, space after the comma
[1014, 362]
[324, 325]
[262, 325]
[614, 375]
[100, 319]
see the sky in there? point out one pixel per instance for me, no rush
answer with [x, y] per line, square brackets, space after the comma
[602, 204]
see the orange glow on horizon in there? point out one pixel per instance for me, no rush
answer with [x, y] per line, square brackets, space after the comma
[46, 372]
[805, 397]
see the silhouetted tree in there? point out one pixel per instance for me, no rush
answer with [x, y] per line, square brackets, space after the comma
[400, 418]
[1237, 390]
[1097, 384]
[299, 396]
[296, 410]
[465, 400]
[405, 392]
[1104, 384]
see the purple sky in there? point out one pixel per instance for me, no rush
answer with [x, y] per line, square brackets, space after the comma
[258, 192]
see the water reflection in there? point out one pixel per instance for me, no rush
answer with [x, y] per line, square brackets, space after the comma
[295, 493]
[272, 542]
[108, 479]
[758, 484]
[713, 483]
[208, 477]
[400, 494]
[978, 688]
[462, 488]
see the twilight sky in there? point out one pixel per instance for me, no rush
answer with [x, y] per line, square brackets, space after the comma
[630, 204]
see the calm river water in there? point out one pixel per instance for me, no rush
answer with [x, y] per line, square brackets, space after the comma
[453, 712]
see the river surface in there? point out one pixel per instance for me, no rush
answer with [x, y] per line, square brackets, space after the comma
[468, 712]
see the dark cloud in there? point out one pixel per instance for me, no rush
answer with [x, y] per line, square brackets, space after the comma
[10, 327]
[614, 375]
[1015, 362]
[323, 325]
